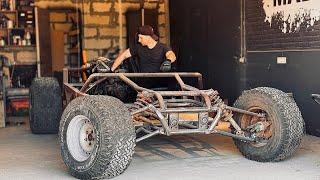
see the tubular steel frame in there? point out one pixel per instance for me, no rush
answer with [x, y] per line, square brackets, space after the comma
[153, 104]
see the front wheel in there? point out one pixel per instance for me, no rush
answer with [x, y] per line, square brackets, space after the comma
[97, 137]
[279, 134]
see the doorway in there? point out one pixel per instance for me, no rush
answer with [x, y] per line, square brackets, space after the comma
[205, 35]
[60, 40]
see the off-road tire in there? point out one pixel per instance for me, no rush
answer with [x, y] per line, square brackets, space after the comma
[112, 153]
[45, 105]
[288, 124]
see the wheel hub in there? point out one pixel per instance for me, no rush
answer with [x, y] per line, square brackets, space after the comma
[81, 138]
[87, 137]
[259, 128]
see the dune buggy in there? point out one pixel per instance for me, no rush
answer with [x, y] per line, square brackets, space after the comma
[98, 132]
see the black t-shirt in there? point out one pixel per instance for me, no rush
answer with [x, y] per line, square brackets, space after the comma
[150, 60]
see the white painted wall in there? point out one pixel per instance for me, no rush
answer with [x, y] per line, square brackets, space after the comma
[292, 15]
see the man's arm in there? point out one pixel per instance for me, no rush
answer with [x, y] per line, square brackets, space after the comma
[126, 54]
[171, 56]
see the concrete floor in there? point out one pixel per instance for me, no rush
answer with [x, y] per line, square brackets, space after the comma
[27, 156]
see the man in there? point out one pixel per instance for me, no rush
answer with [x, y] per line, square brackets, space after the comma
[153, 55]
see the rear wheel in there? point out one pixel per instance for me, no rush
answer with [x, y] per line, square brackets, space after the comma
[279, 134]
[97, 137]
[45, 105]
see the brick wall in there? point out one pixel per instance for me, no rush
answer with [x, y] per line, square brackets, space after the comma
[61, 20]
[101, 29]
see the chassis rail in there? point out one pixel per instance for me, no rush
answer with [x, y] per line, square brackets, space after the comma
[204, 103]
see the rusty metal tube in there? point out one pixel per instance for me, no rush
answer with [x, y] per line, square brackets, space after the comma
[158, 113]
[234, 124]
[200, 83]
[191, 101]
[182, 93]
[132, 84]
[138, 88]
[233, 135]
[96, 83]
[187, 125]
[179, 80]
[151, 75]
[244, 111]
[149, 135]
[215, 120]
[185, 110]
[162, 119]
[70, 89]
[139, 110]
[188, 131]
[143, 129]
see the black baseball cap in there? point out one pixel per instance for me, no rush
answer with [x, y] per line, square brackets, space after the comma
[148, 30]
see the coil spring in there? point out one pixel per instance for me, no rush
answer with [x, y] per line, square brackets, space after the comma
[142, 101]
[215, 98]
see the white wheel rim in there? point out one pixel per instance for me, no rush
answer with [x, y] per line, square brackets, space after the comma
[81, 138]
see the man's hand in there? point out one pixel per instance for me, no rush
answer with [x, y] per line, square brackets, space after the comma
[113, 69]
[165, 66]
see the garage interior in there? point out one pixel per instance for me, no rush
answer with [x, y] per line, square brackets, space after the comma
[229, 42]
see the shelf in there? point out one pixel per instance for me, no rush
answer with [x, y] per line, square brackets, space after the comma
[75, 48]
[14, 46]
[8, 11]
[22, 28]
[74, 51]
[17, 63]
[25, 8]
[19, 48]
